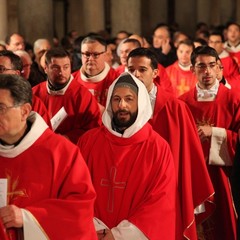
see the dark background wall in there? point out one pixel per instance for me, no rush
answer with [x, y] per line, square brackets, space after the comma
[46, 18]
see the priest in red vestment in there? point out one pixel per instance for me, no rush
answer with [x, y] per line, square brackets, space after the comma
[131, 167]
[71, 107]
[46, 190]
[216, 111]
[95, 74]
[14, 64]
[232, 44]
[125, 48]
[174, 122]
[230, 68]
[179, 72]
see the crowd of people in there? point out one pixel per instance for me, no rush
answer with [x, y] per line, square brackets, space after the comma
[126, 138]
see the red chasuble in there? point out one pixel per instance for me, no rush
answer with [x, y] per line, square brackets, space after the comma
[174, 122]
[163, 79]
[236, 57]
[234, 52]
[223, 112]
[98, 88]
[134, 180]
[182, 81]
[120, 69]
[39, 107]
[3, 233]
[81, 108]
[51, 180]
[231, 72]
[230, 68]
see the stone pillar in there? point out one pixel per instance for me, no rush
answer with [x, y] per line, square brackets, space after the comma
[35, 19]
[203, 11]
[75, 17]
[93, 15]
[185, 16]
[153, 12]
[126, 15]
[3, 20]
[215, 7]
[238, 11]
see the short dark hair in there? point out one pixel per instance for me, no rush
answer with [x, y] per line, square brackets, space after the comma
[15, 60]
[187, 42]
[217, 33]
[20, 88]
[201, 41]
[58, 52]
[95, 38]
[144, 52]
[203, 50]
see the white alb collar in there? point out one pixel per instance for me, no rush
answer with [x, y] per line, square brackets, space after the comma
[98, 78]
[37, 129]
[207, 93]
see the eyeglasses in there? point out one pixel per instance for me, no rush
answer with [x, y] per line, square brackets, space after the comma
[4, 108]
[204, 67]
[3, 69]
[94, 55]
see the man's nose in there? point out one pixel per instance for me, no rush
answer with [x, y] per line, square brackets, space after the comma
[136, 73]
[122, 104]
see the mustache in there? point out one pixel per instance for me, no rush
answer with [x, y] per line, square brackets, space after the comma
[122, 111]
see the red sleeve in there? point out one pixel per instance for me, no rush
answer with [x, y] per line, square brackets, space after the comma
[163, 79]
[68, 212]
[39, 107]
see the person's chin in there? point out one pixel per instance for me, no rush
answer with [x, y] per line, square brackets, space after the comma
[123, 119]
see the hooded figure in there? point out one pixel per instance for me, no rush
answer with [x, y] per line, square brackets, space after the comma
[131, 168]
[144, 112]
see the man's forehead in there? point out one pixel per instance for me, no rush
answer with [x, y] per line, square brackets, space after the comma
[183, 46]
[205, 58]
[5, 95]
[92, 45]
[15, 38]
[128, 45]
[139, 60]
[161, 31]
[60, 60]
[123, 91]
[214, 37]
[4, 60]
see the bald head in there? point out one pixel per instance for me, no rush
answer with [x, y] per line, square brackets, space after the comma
[39, 47]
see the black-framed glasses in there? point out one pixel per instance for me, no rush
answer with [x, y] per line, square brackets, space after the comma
[204, 67]
[94, 55]
[4, 69]
[4, 108]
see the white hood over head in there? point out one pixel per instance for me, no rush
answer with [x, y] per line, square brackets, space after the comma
[144, 109]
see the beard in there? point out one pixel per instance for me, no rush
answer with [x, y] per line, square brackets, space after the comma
[124, 122]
